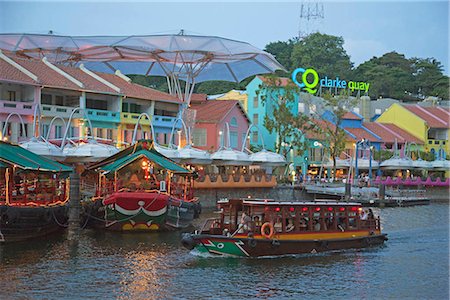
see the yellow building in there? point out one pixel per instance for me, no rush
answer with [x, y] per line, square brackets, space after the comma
[241, 96]
[429, 124]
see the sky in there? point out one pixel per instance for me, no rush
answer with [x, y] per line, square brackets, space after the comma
[413, 28]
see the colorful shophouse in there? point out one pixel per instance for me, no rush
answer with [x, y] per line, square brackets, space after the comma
[111, 102]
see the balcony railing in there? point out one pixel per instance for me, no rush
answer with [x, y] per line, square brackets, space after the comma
[131, 118]
[103, 115]
[61, 111]
[163, 121]
[22, 108]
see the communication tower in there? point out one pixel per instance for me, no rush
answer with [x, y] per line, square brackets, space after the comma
[311, 17]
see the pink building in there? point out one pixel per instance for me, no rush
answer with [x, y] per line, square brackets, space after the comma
[211, 131]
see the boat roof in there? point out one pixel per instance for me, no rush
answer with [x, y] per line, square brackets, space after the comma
[19, 157]
[272, 202]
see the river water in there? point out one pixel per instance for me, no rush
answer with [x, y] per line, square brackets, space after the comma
[413, 264]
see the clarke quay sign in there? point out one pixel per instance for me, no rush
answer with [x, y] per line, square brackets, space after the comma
[310, 86]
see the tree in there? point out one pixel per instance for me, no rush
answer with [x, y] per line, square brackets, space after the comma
[324, 53]
[288, 127]
[282, 51]
[338, 106]
[429, 79]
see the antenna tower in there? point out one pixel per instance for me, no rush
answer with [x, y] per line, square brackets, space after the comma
[311, 16]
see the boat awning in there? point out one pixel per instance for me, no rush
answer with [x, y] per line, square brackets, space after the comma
[27, 160]
[151, 156]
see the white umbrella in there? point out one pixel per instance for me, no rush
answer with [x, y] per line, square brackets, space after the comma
[440, 165]
[189, 154]
[44, 148]
[91, 151]
[267, 158]
[364, 163]
[230, 157]
[340, 163]
[421, 164]
[169, 152]
[396, 163]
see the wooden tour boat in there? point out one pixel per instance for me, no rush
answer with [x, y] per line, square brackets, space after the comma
[139, 189]
[34, 192]
[254, 227]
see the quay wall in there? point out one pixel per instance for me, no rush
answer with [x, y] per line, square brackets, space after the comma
[209, 197]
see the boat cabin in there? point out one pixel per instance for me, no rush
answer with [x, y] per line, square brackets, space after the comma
[249, 216]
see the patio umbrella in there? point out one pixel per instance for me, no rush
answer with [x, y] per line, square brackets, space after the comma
[268, 159]
[44, 148]
[91, 151]
[187, 58]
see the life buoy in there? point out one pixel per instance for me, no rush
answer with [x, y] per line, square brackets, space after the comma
[263, 230]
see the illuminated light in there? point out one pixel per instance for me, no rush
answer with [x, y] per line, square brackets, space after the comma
[360, 209]
[304, 209]
[291, 209]
[341, 208]
[317, 208]
[277, 209]
[251, 196]
[330, 209]
[354, 208]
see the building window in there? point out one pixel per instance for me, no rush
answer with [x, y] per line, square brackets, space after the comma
[199, 137]
[255, 119]
[100, 133]
[377, 111]
[233, 139]
[12, 95]
[109, 133]
[125, 107]
[25, 127]
[58, 132]
[72, 131]
[255, 102]
[46, 99]
[301, 107]
[59, 100]
[233, 122]
[125, 136]
[255, 137]
[45, 130]
[356, 110]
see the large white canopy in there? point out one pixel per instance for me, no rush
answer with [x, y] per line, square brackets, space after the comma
[187, 57]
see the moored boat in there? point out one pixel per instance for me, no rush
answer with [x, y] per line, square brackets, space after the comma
[139, 189]
[33, 194]
[253, 228]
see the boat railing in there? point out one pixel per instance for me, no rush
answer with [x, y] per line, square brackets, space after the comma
[210, 225]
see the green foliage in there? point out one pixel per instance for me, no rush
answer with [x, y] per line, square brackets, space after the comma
[325, 53]
[429, 78]
[282, 51]
[288, 127]
[382, 155]
[155, 82]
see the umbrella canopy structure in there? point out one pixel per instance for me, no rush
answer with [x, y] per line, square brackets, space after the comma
[187, 58]
[365, 164]
[396, 163]
[440, 165]
[167, 152]
[340, 163]
[42, 147]
[91, 151]
[189, 154]
[421, 164]
[267, 159]
[230, 157]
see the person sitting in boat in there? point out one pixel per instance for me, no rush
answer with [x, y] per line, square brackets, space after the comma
[363, 215]
[290, 225]
[370, 214]
[257, 221]
[278, 226]
[245, 222]
[303, 224]
[316, 225]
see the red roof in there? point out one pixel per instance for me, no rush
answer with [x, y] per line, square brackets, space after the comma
[350, 115]
[390, 132]
[89, 82]
[46, 76]
[279, 81]
[10, 73]
[213, 111]
[322, 124]
[199, 97]
[435, 117]
[361, 133]
[137, 91]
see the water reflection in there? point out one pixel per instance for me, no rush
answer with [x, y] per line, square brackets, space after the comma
[412, 264]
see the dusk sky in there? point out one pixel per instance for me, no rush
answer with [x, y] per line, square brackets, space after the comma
[414, 28]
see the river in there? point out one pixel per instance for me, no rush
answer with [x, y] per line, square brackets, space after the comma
[413, 264]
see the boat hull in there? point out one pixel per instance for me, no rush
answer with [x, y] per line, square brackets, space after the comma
[258, 246]
[19, 223]
[135, 211]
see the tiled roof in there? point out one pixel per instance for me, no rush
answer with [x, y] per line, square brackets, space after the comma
[213, 111]
[46, 76]
[198, 97]
[322, 124]
[390, 132]
[435, 117]
[10, 73]
[138, 91]
[89, 82]
[279, 81]
[361, 133]
[350, 115]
